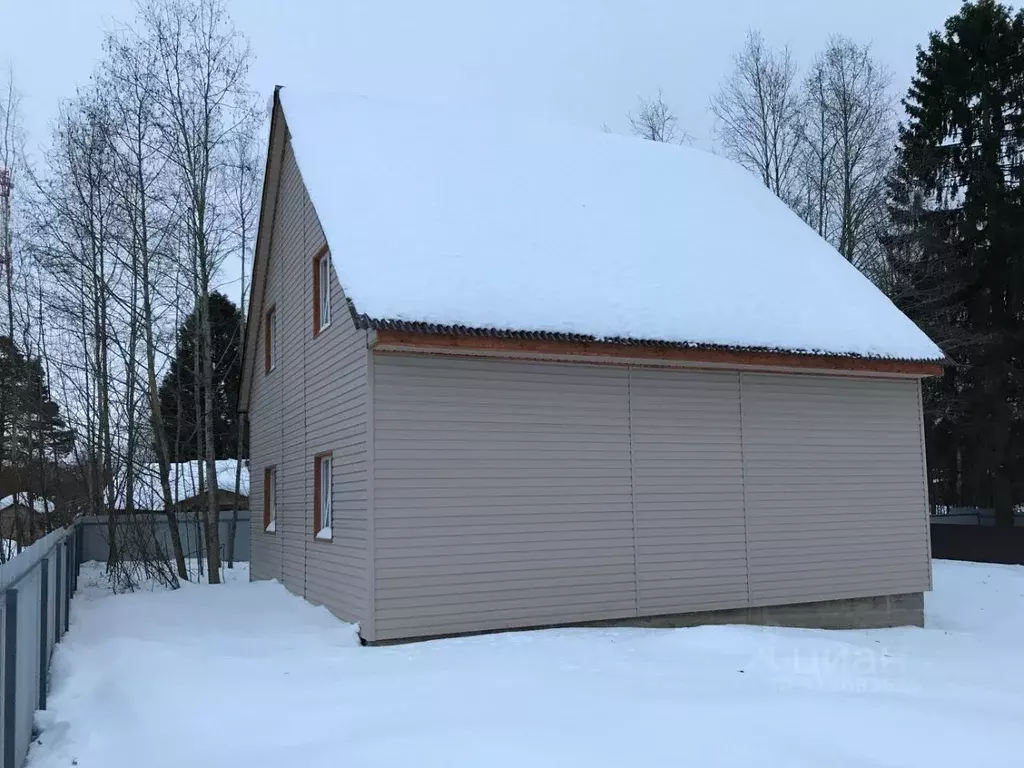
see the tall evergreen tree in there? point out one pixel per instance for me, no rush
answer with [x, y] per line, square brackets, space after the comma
[31, 425]
[957, 248]
[178, 389]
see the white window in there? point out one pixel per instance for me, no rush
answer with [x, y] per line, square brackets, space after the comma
[270, 499]
[271, 340]
[322, 511]
[324, 267]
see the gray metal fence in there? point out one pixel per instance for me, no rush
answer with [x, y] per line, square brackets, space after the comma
[970, 515]
[35, 601]
[94, 534]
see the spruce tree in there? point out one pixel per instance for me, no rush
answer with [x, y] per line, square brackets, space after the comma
[30, 421]
[957, 248]
[177, 391]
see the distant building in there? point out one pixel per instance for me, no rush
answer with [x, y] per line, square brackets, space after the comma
[186, 490]
[22, 522]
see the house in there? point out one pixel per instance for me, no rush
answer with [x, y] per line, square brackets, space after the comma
[509, 377]
[21, 520]
[185, 486]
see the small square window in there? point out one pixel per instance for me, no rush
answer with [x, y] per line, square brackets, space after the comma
[270, 499]
[323, 485]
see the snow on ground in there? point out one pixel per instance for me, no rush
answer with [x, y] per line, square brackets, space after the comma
[542, 228]
[247, 675]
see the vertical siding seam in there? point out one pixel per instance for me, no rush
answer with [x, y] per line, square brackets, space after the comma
[632, 492]
[743, 483]
[924, 473]
[370, 617]
[303, 296]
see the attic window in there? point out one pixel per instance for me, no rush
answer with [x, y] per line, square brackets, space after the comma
[323, 486]
[270, 340]
[321, 290]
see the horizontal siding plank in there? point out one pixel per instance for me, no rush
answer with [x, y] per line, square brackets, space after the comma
[501, 619]
[532, 605]
[512, 567]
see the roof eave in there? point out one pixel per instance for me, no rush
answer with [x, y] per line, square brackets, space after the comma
[400, 335]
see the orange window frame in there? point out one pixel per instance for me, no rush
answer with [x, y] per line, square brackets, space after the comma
[323, 253]
[269, 340]
[317, 493]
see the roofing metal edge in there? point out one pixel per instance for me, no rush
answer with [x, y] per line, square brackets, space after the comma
[410, 326]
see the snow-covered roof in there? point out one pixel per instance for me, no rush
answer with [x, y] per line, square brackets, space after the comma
[450, 219]
[184, 479]
[39, 504]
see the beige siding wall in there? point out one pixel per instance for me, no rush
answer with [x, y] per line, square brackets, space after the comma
[521, 494]
[835, 488]
[688, 490]
[501, 495]
[314, 401]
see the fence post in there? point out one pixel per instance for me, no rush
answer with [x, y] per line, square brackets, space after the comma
[73, 542]
[58, 594]
[44, 628]
[79, 550]
[10, 723]
[67, 590]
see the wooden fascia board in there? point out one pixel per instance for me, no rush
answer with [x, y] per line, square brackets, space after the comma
[602, 352]
[264, 238]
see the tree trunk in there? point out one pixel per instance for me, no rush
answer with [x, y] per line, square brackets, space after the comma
[213, 502]
[238, 489]
[155, 413]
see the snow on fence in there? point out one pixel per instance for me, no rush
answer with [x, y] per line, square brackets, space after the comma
[35, 600]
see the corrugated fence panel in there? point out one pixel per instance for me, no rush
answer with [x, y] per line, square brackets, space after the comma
[835, 492]
[27, 653]
[502, 495]
[35, 583]
[688, 489]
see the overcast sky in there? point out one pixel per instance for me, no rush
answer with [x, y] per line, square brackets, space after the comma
[574, 61]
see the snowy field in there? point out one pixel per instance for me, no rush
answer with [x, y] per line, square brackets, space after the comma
[247, 675]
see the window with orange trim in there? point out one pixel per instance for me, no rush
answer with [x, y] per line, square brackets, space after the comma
[270, 340]
[321, 291]
[323, 487]
[270, 499]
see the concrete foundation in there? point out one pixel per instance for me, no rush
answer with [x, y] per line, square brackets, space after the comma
[903, 610]
[855, 613]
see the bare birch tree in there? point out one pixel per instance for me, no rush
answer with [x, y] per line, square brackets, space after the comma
[818, 154]
[128, 75]
[757, 111]
[654, 121]
[202, 62]
[243, 182]
[860, 111]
